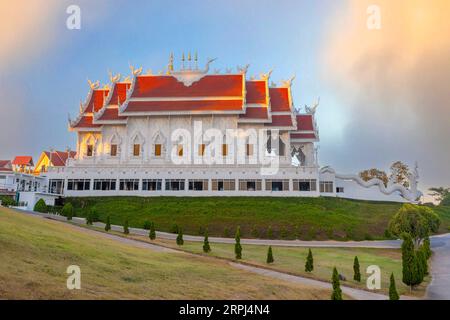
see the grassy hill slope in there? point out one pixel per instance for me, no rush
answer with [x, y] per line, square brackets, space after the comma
[35, 253]
[259, 217]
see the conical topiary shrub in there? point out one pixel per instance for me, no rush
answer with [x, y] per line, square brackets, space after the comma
[269, 255]
[309, 265]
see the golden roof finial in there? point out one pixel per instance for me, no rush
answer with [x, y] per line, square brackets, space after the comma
[170, 67]
[189, 56]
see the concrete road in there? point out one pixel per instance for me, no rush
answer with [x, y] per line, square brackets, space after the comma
[439, 288]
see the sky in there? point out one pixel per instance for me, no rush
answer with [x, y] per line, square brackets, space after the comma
[384, 93]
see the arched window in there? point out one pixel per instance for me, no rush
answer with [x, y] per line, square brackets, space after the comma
[137, 143]
[159, 145]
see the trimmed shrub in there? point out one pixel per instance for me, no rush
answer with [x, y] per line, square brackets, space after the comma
[108, 224]
[269, 255]
[356, 270]
[237, 246]
[337, 292]
[393, 294]
[180, 240]
[7, 201]
[254, 233]
[67, 211]
[40, 206]
[125, 227]
[206, 247]
[426, 247]
[309, 265]
[152, 233]
[408, 260]
[89, 219]
[270, 233]
[226, 232]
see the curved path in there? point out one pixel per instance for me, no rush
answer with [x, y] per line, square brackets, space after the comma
[439, 288]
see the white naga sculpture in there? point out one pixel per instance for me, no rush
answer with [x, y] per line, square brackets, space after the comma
[411, 194]
[189, 76]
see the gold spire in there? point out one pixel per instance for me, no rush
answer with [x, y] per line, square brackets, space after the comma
[170, 67]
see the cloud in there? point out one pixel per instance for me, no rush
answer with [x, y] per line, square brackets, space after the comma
[393, 85]
[28, 29]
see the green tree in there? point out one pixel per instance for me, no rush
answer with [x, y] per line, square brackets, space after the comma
[180, 240]
[337, 292]
[408, 260]
[269, 255]
[40, 206]
[67, 211]
[445, 201]
[108, 223]
[309, 264]
[393, 294]
[356, 270]
[418, 221]
[426, 247]
[206, 246]
[152, 232]
[125, 227]
[237, 246]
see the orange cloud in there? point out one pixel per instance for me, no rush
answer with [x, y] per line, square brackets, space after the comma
[393, 83]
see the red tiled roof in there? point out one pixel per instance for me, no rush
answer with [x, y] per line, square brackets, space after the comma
[59, 158]
[23, 161]
[169, 86]
[86, 122]
[281, 121]
[279, 99]
[119, 92]
[255, 113]
[305, 122]
[303, 136]
[5, 165]
[111, 114]
[199, 106]
[255, 92]
[97, 99]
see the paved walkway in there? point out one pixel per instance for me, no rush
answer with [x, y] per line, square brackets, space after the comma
[439, 288]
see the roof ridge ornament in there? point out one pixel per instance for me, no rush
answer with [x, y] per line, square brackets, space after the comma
[288, 83]
[266, 76]
[189, 76]
[135, 71]
[312, 110]
[114, 79]
[93, 85]
[244, 69]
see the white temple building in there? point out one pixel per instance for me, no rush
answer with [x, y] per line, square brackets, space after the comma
[191, 132]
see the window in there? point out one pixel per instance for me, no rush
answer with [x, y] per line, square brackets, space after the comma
[250, 185]
[157, 150]
[198, 185]
[339, 189]
[129, 184]
[90, 150]
[223, 185]
[277, 185]
[136, 150]
[113, 150]
[78, 184]
[326, 186]
[249, 150]
[104, 184]
[305, 184]
[224, 150]
[201, 149]
[180, 150]
[174, 184]
[55, 186]
[151, 184]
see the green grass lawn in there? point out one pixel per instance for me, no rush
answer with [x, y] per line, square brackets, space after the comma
[292, 260]
[35, 252]
[259, 217]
